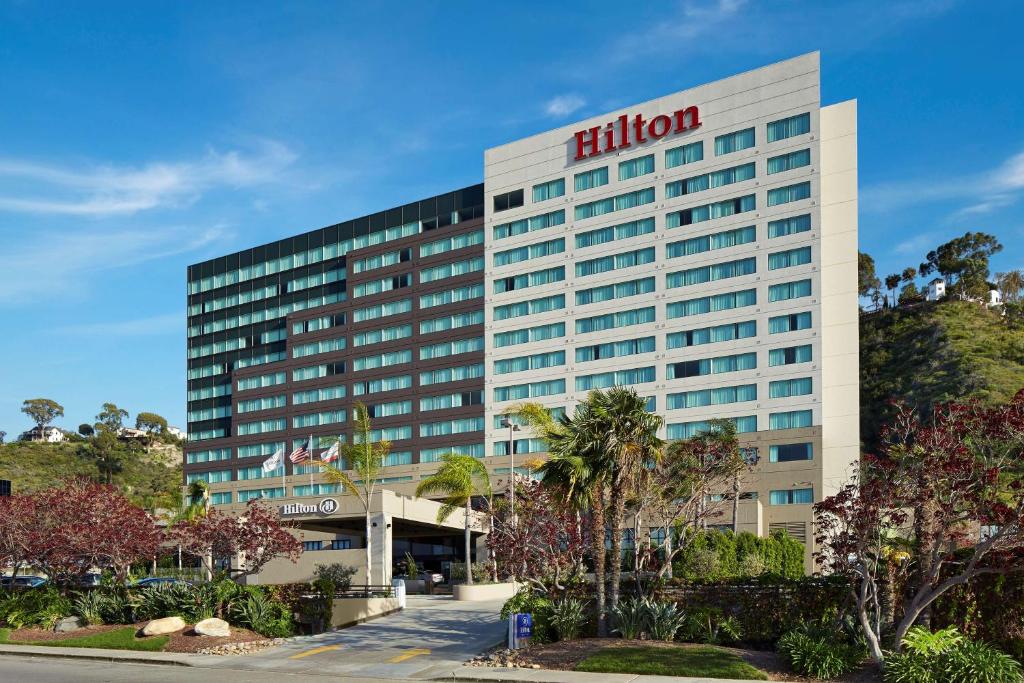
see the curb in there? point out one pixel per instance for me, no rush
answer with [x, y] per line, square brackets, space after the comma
[92, 654]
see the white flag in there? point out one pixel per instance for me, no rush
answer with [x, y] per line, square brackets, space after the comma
[331, 454]
[274, 461]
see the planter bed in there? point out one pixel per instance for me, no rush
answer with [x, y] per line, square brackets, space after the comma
[185, 640]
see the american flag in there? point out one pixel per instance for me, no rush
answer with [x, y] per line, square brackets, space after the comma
[301, 453]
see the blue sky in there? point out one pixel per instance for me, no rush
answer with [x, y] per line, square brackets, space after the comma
[137, 138]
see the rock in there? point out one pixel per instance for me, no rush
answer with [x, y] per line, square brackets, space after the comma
[159, 627]
[68, 624]
[213, 627]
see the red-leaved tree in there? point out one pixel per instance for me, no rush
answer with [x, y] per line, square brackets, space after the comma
[255, 538]
[939, 505]
[17, 515]
[541, 542]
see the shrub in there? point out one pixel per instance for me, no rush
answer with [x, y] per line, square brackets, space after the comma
[712, 555]
[526, 601]
[818, 656]
[946, 655]
[116, 605]
[630, 618]
[254, 610]
[751, 565]
[568, 617]
[664, 620]
[711, 626]
[337, 573]
[481, 572]
[42, 607]
[89, 607]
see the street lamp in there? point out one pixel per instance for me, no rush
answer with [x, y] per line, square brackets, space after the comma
[512, 428]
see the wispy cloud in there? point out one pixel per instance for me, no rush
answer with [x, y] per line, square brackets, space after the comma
[563, 105]
[977, 193]
[169, 323]
[104, 190]
[692, 19]
[57, 265]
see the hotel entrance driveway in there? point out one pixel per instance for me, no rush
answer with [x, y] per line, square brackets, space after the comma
[431, 637]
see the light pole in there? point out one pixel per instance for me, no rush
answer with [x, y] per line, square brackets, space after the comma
[512, 428]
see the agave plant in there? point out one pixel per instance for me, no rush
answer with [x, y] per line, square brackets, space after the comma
[89, 607]
[664, 620]
[631, 617]
[568, 616]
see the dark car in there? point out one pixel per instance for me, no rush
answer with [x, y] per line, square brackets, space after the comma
[159, 581]
[89, 581]
[22, 581]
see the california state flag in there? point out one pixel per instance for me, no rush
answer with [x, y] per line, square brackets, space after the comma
[331, 454]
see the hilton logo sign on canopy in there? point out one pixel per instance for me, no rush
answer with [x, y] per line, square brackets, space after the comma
[327, 506]
[623, 131]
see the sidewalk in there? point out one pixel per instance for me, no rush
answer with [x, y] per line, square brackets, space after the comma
[100, 655]
[501, 675]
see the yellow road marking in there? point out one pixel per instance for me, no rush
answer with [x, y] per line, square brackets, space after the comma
[315, 651]
[409, 654]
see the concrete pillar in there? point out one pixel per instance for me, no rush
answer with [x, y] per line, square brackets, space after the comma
[380, 550]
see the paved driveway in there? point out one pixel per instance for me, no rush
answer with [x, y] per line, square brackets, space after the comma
[431, 637]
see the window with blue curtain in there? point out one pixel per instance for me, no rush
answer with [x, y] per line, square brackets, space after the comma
[789, 226]
[618, 290]
[622, 231]
[609, 321]
[790, 355]
[587, 180]
[604, 264]
[712, 397]
[687, 430]
[789, 290]
[734, 142]
[718, 240]
[518, 392]
[699, 214]
[628, 347]
[717, 271]
[636, 167]
[790, 193]
[789, 127]
[708, 304]
[792, 497]
[793, 419]
[708, 335]
[532, 279]
[790, 452]
[711, 366]
[538, 333]
[533, 362]
[784, 388]
[687, 154]
[615, 379]
[539, 250]
[525, 225]
[533, 306]
[549, 190]
[789, 323]
[786, 162]
[789, 258]
[620, 202]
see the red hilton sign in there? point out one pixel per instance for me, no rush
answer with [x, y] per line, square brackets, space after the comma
[624, 131]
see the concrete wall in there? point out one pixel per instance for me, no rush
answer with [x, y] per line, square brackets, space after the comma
[349, 611]
[484, 591]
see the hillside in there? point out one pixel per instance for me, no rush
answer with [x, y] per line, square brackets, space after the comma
[935, 352]
[151, 478]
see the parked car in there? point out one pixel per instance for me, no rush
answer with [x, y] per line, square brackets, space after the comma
[89, 580]
[22, 581]
[158, 581]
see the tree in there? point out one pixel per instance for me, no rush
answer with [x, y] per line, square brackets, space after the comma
[42, 411]
[867, 281]
[458, 478]
[1010, 284]
[912, 516]
[3, 435]
[964, 262]
[891, 283]
[253, 539]
[111, 418]
[86, 430]
[107, 452]
[366, 460]
[150, 422]
[17, 520]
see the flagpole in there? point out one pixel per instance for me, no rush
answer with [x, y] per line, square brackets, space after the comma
[311, 464]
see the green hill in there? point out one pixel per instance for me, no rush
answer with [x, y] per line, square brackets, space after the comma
[150, 477]
[936, 351]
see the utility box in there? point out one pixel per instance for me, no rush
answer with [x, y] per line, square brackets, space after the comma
[5, 487]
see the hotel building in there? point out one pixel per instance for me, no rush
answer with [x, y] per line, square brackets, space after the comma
[700, 247]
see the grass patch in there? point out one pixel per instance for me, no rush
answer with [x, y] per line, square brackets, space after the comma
[4, 635]
[709, 662]
[117, 639]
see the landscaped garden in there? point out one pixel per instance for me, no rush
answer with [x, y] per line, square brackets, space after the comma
[625, 568]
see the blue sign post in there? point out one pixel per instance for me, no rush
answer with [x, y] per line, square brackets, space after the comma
[520, 627]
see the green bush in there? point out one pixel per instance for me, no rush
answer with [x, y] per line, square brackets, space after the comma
[711, 626]
[714, 555]
[568, 616]
[89, 607]
[526, 601]
[42, 607]
[629, 618]
[264, 615]
[337, 573]
[664, 620]
[946, 655]
[818, 656]
[481, 572]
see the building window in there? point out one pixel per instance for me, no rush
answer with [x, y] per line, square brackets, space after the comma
[316, 324]
[711, 304]
[623, 231]
[452, 322]
[471, 424]
[636, 167]
[316, 371]
[341, 544]
[628, 347]
[688, 430]
[535, 362]
[707, 181]
[793, 419]
[789, 226]
[389, 409]
[707, 212]
[549, 190]
[451, 269]
[381, 260]
[318, 347]
[712, 397]
[311, 546]
[531, 307]
[508, 200]
[785, 388]
[597, 323]
[620, 202]
[787, 162]
[539, 250]
[789, 323]
[711, 366]
[792, 497]
[217, 477]
[525, 225]
[456, 374]
[254, 494]
[789, 290]
[710, 335]
[719, 240]
[604, 264]
[588, 180]
[790, 355]
[452, 348]
[717, 271]
[687, 154]
[397, 458]
[618, 290]
[385, 334]
[208, 456]
[734, 142]
[475, 450]
[382, 310]
[452, 243]
[790, 193]
[615, 379]
[789, 127]
[790, 452]
[451, 296]
[375, 386]
[534, 279]
[789, 258]
[220, 498]
[382, 360]
[530, 334]
[517, 392]
[265, 403]
[464, 398]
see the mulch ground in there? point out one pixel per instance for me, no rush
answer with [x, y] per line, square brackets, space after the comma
[186, 640]
[565, 655]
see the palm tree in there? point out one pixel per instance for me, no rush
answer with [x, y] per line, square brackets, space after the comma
[457, 480]
[366, 460]
[622, 426]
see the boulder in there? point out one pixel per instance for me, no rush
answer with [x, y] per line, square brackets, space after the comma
[159, 627]
[213, 627]
[68, 624]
